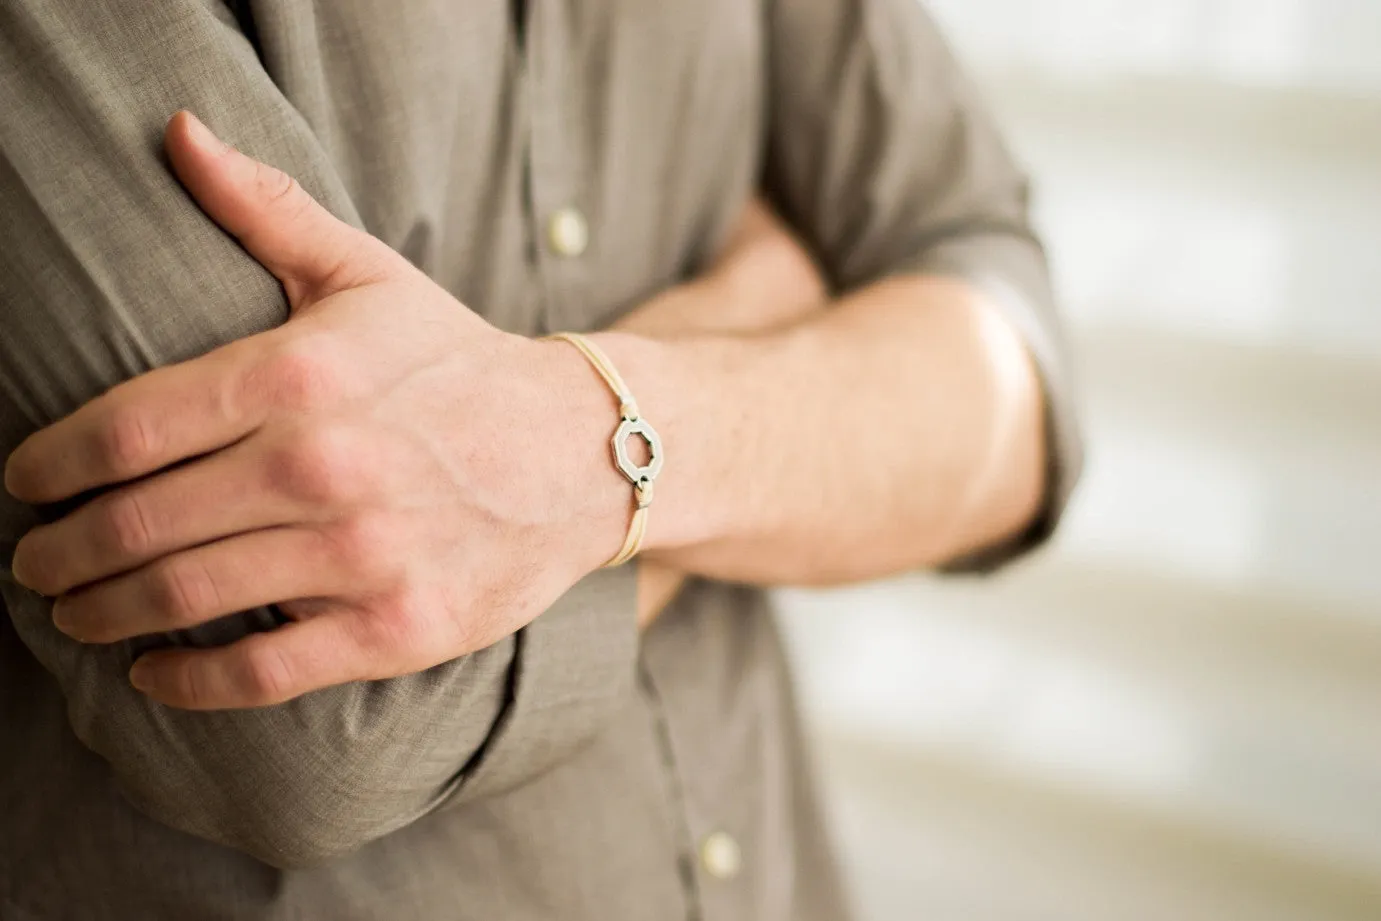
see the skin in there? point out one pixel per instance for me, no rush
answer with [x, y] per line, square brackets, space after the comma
[763, 280]
[362, 465]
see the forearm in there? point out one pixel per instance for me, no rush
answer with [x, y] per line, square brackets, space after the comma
[762, 280]
[291, 784]
[902, 428]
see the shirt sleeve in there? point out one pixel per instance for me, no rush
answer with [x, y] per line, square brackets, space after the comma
[882, 157]
[108, 269]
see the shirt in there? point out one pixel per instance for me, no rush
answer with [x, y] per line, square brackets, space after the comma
[551, 177]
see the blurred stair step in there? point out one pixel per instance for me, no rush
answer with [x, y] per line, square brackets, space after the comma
[946, 841]
[1198, 703]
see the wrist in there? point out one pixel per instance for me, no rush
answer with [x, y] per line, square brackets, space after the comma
[581, 415]
[674, 383]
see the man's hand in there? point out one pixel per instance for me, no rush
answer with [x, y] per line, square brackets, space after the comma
[429, 483]
[764, 279]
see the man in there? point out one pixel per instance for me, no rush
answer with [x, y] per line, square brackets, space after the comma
[311, 622]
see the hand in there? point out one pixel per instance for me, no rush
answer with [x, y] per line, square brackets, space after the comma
[763, 279]
[414, 482]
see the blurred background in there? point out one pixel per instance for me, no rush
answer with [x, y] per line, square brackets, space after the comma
[1175, 711]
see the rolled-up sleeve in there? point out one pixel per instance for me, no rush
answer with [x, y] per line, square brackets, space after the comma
[108, 269]
[881, 155]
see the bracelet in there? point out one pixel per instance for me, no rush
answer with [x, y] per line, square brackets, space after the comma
[630, 423]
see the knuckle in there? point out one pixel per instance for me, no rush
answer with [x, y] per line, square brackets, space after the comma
[268, 676]
[301, 378]
[184, 591]
[356, 542]
[359, 544]
[226, 399]
[127, 443]
[314, 466]
[282, 194]
[128, 525]
[395, 627]
[275, 186]
[190, 683]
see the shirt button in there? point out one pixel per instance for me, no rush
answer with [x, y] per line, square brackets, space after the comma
[568, 234]
[720, 855]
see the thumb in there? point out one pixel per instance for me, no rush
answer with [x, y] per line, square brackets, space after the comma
[313, 253]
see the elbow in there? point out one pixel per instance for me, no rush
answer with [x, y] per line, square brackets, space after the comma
[302, 783]
[1010, 485]
[1016, 494]
[307, 828]
[303, 845]
[1016, 491]
[295, 826]
[303, 838]
[316, 822]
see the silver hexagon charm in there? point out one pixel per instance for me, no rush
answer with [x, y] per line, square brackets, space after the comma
[634, 472]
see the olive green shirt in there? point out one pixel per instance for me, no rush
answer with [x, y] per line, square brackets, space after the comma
[574, 770]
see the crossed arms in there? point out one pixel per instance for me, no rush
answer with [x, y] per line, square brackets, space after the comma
[916, 335]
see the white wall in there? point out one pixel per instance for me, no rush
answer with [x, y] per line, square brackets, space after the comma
[1174, 712]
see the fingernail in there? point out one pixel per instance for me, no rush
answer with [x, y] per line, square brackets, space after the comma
[19, 571]
[202, 135]
[61, 616]
[142, 677]
[16, 570]
[62, 619]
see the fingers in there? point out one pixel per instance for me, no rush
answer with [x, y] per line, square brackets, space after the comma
[312, 252]
[188, 409]
[201, 584]
[176, 413]
[159, 418]
[226, 493]
[259, 670]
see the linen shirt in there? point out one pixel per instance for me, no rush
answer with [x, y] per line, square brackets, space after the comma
[552, 164]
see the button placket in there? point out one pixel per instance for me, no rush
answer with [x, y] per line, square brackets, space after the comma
[556, 165]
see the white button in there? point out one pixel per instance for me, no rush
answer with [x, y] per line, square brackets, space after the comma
[568, 233]
[720, 855]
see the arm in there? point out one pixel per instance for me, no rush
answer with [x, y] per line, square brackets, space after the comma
[107, 269]
[763, 280]
[388, 354]
[924, 419]
[922, 414]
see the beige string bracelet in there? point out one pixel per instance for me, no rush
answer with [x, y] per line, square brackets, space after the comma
[630, 423]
